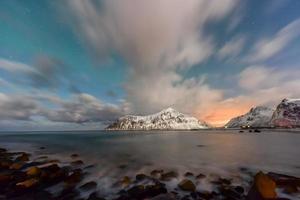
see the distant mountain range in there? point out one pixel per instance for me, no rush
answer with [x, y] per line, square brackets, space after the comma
[286, 115]
[167, 119]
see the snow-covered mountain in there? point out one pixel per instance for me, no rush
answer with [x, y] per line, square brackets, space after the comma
[287, 114]
[167, 119]
[257, 117]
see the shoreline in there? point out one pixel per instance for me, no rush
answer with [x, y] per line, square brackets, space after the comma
[21, 177]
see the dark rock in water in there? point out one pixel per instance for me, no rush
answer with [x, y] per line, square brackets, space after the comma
[16, 165]
[42, 148]
[239, 189]
[89, 185]
[250, 131]
[156, 173]
[187, 174]
[23, 157]
[33, 171]
[122, 166]
[241, 131]
[69, 194]
[137, 192]
[77, 162]
[187, 185]
[200, 145]
[95, 196]
[263, 188]
[200, 176]
[231, 194]
[2, 150]
[168, 196]
[140, 177]
[154, 190]
[168, 176]
[222, 181]
[75, 177]
[29, 183]
[205, 195]
[89, 167]
[257, 131]
[74, 155]
[53, 174]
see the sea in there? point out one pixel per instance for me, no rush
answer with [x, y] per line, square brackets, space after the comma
[112, 155]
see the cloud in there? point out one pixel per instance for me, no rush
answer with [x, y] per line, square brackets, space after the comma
[158, 40]
[14, 107]
[232, 48]
[269, 47]
[46, 72]
[83, 108]
[80, 109]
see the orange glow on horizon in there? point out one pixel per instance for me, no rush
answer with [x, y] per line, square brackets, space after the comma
[222, 113]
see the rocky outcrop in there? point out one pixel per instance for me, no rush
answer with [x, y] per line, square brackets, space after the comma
[257, 117]
[287, 114]
[168, 119]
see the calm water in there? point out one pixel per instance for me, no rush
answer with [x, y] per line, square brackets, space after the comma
[116, 154]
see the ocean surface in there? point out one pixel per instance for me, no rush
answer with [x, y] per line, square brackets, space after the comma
[115, 154]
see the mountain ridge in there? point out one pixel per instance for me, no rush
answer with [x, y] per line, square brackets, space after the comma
[167, 119]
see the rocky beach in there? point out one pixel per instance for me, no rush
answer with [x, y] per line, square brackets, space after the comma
[23, 177]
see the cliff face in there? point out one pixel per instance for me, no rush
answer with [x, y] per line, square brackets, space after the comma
[168, 119]
[287, 114]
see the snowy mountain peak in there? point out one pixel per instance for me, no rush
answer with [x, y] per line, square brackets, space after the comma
[287, 114]
[167, 119]
[259, 116]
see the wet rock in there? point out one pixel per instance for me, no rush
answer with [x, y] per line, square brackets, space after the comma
[42, 148]
[168, 196]
[187, 174]
[290, 184]
[262, 188]
[22, 158]
[241, 131]
[69, 194]
[89, 166]
[53, 174]
[89, 185]
[33, 171]
[154, 190]
[77, 162]
[137, 192]
[229, 193]
[156, 173]
[74, 155]
[168, 176]
[16, 166]
[95, 196]
[122, 166]
[239, 189]
[200, 176]
[125, 182]
[28, 183]
[75, 177]
[140, 177]
[257, 131]
[5, 163]
[187, 185]
[205, 195]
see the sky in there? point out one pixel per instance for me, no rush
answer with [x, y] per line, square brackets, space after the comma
[79, 64]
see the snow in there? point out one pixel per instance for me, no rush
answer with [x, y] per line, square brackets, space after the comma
[167, 119]
[257, 117]
[287, 114]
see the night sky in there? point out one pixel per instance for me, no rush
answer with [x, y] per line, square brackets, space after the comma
[78, 64]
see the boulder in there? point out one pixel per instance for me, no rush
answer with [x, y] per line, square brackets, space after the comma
[263, 188]
[29, 183]
[187, 185]
[168, 176]
[33, 171]
[89, 185]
